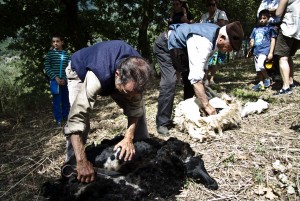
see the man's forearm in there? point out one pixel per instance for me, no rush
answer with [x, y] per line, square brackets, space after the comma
[200, 94]
[78, 146]
[85, 170]
[132, 123]
[281, 8]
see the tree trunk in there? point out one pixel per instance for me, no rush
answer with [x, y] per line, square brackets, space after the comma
[143, 41]
[77, 34]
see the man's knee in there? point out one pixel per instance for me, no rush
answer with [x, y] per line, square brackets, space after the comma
[168, 84]
[283, 62]
[283, 59]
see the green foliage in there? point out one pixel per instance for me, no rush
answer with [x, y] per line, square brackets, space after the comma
[5, 51]
[17, 98]
[230, 158]
[260, 148]
[243, 11]
[246, 94]
[7, 89]
[29, 25]
[258, 176]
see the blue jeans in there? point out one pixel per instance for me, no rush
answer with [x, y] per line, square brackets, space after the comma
[61, 105]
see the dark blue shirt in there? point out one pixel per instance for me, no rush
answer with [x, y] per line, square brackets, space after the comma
[103, 60]
[181, 32]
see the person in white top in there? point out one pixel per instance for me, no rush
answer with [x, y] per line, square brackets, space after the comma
[191, 46]
[270, 5]
[288, 42]
[214, 15]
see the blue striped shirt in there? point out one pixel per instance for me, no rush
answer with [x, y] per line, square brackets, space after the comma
[52, 63]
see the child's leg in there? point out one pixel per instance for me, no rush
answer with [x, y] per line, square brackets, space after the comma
[65, 104]
[260, 77]
[56, 107]
[221, 57]
[212, 66]
[205, 78]
[205, 75]
[178, 78]
[266, 81]
[265, 74]
[259, 67]
[213, 71]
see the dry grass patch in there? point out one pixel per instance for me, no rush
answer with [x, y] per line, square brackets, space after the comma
[241, 160]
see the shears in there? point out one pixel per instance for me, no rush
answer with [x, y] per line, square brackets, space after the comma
[68, 171]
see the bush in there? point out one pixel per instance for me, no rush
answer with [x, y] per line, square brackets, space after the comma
[16, 98]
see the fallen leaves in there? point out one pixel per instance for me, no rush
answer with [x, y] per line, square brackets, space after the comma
[266, 191]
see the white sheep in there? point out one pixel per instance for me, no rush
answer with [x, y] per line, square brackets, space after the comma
[188, 117]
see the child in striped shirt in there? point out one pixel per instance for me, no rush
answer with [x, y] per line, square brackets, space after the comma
[56, 62]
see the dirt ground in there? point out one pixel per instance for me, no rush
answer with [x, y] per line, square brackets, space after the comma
[260, 160]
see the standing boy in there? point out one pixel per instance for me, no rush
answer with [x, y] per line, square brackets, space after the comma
[55, 64]
[263, 41]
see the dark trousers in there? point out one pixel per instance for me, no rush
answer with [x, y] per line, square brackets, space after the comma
[167, 82]
[188, 89]
[180, 60]
[61, 105]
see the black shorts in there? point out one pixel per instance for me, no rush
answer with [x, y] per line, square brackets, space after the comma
[286, 46]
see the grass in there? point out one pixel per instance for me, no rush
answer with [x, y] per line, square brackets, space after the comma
[258, 176]
[32, 151]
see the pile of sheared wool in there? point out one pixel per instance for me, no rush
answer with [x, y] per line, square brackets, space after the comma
[188, 117]
[254, 107]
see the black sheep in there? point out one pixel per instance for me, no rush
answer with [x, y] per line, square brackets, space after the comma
[159, 169]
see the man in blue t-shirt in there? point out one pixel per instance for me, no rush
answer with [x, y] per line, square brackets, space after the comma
[263, 42]
[111, 68]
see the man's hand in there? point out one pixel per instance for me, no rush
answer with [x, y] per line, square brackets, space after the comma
[128, 149]
[85, 171]
[127, 143]
[210, 110]
[200, 94]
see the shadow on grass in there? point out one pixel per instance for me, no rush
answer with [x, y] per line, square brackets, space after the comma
[295, 127]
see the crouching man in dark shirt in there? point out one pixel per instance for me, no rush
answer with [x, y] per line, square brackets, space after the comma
[111, 68]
